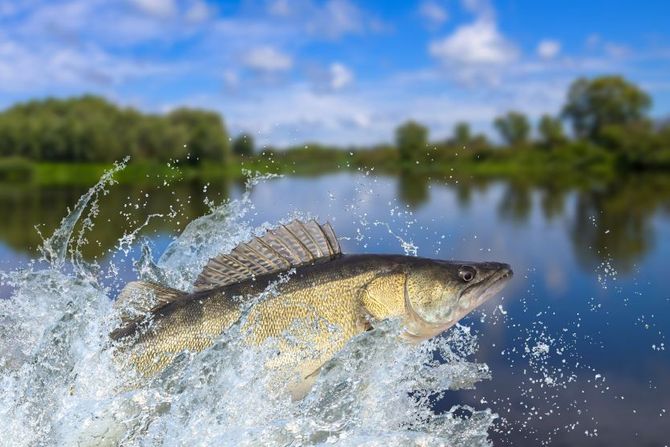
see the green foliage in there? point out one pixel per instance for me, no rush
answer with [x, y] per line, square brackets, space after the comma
[243, 145]
[462, 134]
[412, 142]
[15, 169]
[91, 129]
[513, 127]
[636, 145]
[551, 132]
[593, 104]
[204, 132]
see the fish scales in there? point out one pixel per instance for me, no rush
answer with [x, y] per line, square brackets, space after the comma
[328, 297]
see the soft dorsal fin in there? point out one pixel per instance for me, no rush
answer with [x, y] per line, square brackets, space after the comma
[280, 249]
[139, 299]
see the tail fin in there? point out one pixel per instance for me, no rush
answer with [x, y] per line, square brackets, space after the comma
[138, 300]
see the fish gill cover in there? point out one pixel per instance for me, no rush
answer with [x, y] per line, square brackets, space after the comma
[61, 383]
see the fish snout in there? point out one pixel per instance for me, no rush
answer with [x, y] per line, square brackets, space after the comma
[500, 269]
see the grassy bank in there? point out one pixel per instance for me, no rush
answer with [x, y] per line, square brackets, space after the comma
[528, 166]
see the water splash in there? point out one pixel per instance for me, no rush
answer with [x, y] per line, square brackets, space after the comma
[63, 385]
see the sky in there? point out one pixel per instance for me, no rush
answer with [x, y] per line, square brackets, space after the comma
[336, 71]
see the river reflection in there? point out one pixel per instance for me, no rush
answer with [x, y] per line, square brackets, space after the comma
[607, 222]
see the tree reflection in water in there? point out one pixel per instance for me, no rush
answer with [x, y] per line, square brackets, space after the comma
[607, 222]
[413, 188]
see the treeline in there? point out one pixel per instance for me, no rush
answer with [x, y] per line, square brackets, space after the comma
[91, 129]
[608, 117]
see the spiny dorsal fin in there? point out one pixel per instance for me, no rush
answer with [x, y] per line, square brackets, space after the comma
[139, 299]
[280, 249]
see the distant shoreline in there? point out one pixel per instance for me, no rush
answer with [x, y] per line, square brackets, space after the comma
[533, 166]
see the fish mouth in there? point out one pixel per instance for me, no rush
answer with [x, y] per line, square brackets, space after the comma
[490, 286]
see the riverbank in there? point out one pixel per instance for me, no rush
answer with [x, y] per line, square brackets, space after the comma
[570, 164]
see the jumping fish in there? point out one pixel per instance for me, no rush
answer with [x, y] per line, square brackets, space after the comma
[320, 299]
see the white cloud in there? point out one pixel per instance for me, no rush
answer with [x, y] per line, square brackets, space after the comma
[548, 49]
[267, 59]
[340, 76]
[481, 8]
[32, 71]
[335, 19]
[475, 51]
[478, 43]
[157, 8]
[327, 80]
[434, 13]
[198, 12]
[330, 20]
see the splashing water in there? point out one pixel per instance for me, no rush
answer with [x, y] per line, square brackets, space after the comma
[62, 385]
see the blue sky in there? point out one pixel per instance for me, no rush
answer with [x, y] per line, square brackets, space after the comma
[335, 71]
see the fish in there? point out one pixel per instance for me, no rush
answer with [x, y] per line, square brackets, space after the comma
[318, 300]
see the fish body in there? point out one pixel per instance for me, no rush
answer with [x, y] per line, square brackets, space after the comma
[312, 310]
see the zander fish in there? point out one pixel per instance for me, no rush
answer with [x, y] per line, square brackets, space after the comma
[323, 300]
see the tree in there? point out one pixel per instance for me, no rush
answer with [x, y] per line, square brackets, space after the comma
[412, 141]
[551, 131]
[207, 138]
[513, 127]
[462, 134]
[243, 145]
[91, 129]
[607, 100]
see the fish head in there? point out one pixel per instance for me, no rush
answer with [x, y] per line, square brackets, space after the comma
[439, 293]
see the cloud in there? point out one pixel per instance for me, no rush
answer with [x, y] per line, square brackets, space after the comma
[337, 18]
[332, 78]
[328, 20]
[483, 9]
[267, 59]
[434, 13]
[474, 51]
[30, 70]
[340, 76]
[198, 12]
[548, 49]
[156, 8]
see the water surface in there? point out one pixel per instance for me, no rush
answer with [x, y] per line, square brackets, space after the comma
[576, 347]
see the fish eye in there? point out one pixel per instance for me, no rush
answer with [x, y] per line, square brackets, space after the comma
[467, 273]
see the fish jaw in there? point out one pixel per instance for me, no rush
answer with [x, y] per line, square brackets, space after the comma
[418, 328]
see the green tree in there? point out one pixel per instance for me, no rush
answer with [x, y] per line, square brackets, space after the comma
[412, 141]
[91, 129]
[243, 145]
[462, 134]
[513, 128]
[207, 138]
[551, 131]
[634, 144]
[593, 104]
